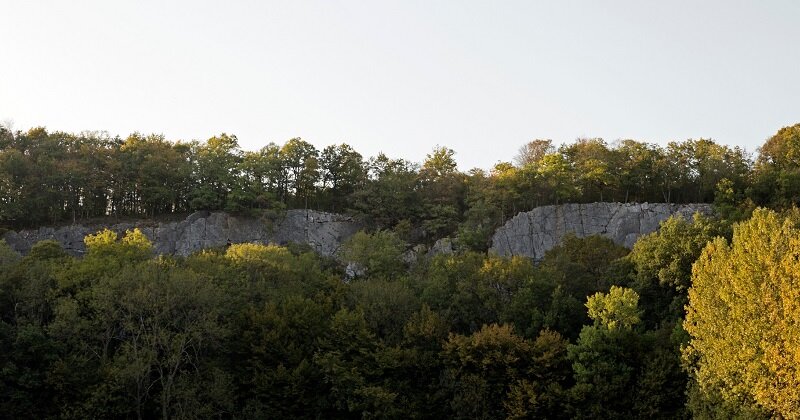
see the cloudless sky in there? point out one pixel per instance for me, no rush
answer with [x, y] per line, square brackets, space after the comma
[481, 77]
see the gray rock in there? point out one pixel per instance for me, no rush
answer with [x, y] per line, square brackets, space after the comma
[354, 270]
[533, 233]
[324, 232]
[442, 246]
[412, 256]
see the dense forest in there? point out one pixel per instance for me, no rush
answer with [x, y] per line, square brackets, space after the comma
[47, 178]
[700, 319]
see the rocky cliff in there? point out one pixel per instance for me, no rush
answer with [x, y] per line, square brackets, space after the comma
[528, 234]
[324, 232]
[533, 233]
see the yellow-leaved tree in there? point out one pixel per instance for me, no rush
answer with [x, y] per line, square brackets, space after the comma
[744, 317]
[133, 246]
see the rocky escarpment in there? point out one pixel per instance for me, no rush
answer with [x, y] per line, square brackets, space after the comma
[324, 232]
[533, 233]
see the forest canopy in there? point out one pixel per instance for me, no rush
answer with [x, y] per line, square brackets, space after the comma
[49, 177]
[698, 320]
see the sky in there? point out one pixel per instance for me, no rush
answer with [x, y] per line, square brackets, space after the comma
[480, 77]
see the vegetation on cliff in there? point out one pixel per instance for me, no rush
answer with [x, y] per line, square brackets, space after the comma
[698, 319]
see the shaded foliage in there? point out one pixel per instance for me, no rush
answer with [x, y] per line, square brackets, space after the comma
[259, 331]
[263, 331]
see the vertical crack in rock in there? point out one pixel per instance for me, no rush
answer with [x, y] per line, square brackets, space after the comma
[530, 221]
[612, 217]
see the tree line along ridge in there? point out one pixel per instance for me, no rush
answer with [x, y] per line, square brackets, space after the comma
[699, 319]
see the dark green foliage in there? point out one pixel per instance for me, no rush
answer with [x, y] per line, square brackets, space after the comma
[378, 255]
[662, 263]
[463, 289]
[621, 371]
[776, 176]
[262, 331]
[390, 195]
[259, 331]
[51, 177]
[554, 298]
[494, 373]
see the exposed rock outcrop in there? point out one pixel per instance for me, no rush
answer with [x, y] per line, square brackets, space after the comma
[442, 246]
[533, 233]
[324, 232]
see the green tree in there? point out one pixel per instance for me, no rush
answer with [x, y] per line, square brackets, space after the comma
[419, 365]
[591, 159]
[350, 360]
[264, 180]
[440, 162]
[7, 255]
[542, 394]
[301, 160]
[558, 178]
[460, 288]
[618, 309]
[495, 373]
[27, 353]
[662, 263]
[482, 368]
[13, 171]
[274, 355]
[553, 298]
[343, 172]
[134, 246]
[777, 169]
[489, 201]
[379, 254]
[441, 194]
[214, 172]
[606, 357]
[154, 175]
[390, 194]
[137, 337]
[638, 171]
[533, 151]
[742, 316]
[387, 306]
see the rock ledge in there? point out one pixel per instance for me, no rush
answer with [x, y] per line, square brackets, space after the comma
[324, 232]
[533, 233]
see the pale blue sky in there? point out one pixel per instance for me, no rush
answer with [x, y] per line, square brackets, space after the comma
[402, 76]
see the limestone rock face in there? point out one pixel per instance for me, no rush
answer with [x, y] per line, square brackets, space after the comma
[324, 232]
[442, 246]
[533, 233]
